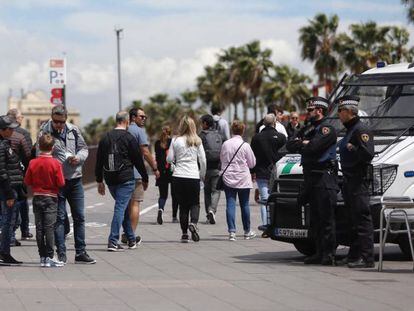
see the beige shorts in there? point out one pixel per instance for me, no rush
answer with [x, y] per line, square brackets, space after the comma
[138, 194]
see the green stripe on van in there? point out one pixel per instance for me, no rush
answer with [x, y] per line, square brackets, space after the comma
[287, 168]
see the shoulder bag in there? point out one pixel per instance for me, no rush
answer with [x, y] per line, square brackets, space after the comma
[220, 182]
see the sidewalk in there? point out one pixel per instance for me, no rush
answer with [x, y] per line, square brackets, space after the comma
[214, 274]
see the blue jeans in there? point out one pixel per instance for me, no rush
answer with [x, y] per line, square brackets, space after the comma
[74, 194]
[263, 186]
[7, 225]
[243, 194]
[122, 194]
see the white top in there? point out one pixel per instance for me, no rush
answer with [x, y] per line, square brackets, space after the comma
[186, 159]
[223, 127]
[279, 127]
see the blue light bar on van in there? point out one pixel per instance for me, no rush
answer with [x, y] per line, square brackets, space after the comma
[381, 64]
[409, 174]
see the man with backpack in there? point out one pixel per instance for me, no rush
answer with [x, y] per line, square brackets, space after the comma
[118, 154]
[220, 124]
[212, 142]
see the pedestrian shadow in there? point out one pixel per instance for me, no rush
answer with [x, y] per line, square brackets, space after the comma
[283, 257]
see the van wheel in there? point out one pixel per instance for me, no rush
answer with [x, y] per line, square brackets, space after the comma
[305, 247]
[404, 246]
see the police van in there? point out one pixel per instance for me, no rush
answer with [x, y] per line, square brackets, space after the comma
[387, 106]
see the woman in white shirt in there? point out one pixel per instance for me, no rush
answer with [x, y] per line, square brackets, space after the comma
[186, 153]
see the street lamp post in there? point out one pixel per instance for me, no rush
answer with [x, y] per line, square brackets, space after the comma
[118, 33]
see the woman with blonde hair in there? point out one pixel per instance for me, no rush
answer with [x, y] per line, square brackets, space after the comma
[161, 151]
[186, 153]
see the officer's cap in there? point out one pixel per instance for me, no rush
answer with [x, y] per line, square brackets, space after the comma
[348, 102]
[317, 102]
[7, 122]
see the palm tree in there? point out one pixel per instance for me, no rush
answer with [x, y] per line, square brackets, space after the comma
[232, 81]
[288, 87]
[318, 40]
[253, 65]
[159, 98]
[410, 9]
[92, 131]
[214, 87]
[189, 97]
[398, 39]
[366, 46]
[136, 104]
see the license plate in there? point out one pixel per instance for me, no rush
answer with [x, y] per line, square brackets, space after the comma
[291, 233]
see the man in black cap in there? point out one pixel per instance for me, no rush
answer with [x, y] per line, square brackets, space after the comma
[317, 145]
[356, 150]
[11, 178]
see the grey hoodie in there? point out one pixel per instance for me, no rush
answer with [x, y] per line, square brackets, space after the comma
[73, 146]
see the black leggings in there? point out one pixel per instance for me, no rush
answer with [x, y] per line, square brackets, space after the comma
[187, 193]
[163, 190]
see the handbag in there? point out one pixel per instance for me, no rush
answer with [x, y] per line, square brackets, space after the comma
[220, 182]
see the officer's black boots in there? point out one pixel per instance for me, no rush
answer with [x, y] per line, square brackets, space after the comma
[361, 263]
[313, 260]
[328, 260]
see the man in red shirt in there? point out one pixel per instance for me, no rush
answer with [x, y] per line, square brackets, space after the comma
[45, 176]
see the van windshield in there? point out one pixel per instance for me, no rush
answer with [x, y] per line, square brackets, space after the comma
[386, 103]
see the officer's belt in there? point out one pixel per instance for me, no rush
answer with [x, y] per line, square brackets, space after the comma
[321, 167]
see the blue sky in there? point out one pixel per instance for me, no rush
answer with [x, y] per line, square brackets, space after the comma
[165, 45]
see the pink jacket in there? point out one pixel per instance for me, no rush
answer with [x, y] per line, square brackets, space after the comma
[238, 174]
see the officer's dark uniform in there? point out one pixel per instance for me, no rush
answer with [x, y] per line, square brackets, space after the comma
[355, 160]
[320, 186]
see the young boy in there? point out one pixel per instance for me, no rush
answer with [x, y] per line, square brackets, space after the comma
[45, 176]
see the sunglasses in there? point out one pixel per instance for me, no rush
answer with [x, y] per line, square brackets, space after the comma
[310, 109]
[58, 122]
[294, 118]
[143, 117]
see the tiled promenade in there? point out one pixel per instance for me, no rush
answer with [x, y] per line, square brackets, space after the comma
[214, 274]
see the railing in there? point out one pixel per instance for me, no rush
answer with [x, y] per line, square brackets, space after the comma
[88, 170]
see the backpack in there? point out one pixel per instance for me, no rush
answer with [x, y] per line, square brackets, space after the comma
[212, 143]
[114, 161]
[216, 125]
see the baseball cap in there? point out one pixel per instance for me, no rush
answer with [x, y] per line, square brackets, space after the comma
[7, 122]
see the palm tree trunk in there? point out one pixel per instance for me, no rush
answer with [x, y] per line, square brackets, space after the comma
[245, 108]
[255, 109]
[261, 109]
[235, 117]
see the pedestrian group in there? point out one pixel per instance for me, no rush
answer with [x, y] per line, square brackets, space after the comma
[184, 164]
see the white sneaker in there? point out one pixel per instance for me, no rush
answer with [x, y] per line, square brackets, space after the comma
[53, 262]
[232, 236]
[43, 261]
[249, 235]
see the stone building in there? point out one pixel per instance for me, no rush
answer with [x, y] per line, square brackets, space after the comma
[36, 108]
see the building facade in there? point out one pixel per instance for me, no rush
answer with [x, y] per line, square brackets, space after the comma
[36, 108]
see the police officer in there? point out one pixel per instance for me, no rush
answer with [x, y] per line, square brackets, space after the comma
[356, 150]
[317, 145]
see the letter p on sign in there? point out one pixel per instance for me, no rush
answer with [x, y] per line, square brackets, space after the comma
[53, 74]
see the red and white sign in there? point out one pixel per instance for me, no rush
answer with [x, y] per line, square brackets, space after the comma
[57, 63]
[57, 71]
[57, 96]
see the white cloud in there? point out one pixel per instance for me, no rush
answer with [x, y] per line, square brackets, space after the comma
[209, 6]
[283, 52]
[364, 6]
[27, 4]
